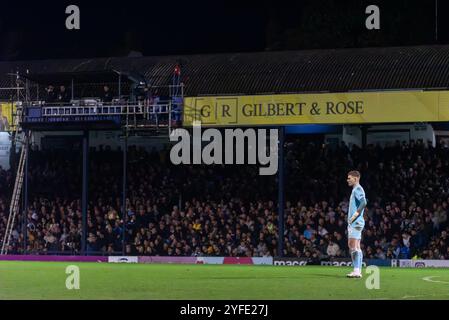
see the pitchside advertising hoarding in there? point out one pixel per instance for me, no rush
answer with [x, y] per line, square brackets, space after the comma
[123, 259]
[319, 108]
[192, 260]
[411, 263]
[336, 262]
[298, 262]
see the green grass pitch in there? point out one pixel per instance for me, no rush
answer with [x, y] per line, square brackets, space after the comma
[46, 280]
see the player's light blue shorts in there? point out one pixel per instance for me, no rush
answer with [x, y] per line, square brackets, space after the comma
[355, 232]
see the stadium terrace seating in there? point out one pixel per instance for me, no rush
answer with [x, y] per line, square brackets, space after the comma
[231, 210]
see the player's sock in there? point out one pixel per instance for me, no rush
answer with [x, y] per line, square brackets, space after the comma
[353, 257]
[360, 256]
[355, 261]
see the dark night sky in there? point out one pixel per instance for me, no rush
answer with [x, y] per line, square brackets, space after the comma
[36, 30]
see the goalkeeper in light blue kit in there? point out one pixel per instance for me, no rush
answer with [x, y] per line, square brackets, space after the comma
[356, 222]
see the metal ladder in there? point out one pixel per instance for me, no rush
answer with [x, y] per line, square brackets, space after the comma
[15, 201]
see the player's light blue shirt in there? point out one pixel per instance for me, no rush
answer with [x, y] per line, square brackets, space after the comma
[357, 195]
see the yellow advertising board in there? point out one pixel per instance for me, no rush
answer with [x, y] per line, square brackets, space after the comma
[319, 108]
[6, 112]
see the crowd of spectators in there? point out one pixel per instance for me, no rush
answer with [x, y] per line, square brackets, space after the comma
[56, 96]
[62, 96]
[231, 210]
[105, 94]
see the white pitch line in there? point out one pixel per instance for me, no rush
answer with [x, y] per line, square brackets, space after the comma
[426, 295]
[408, 297]
[429, 279]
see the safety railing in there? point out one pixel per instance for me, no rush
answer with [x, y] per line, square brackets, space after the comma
[99, 110]
[138, 115]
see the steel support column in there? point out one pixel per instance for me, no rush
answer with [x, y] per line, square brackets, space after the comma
[85, 190]
[281, 199]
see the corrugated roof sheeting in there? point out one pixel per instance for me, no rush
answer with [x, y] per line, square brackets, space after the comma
[336, 70]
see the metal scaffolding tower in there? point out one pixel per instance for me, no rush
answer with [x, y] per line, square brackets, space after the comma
[153, 115]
